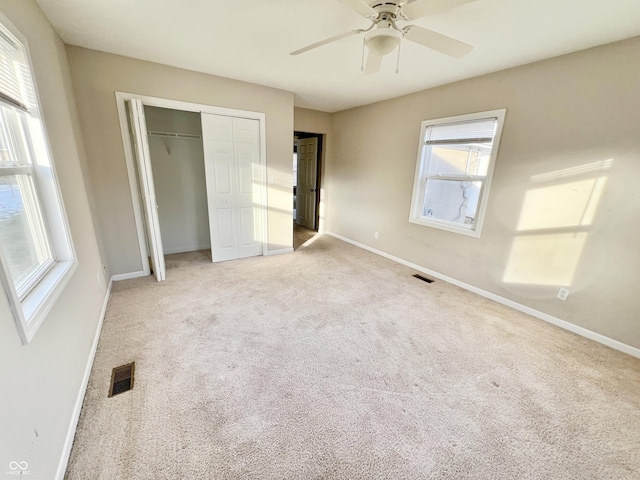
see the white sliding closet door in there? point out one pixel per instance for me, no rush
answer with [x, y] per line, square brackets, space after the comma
[234, 186]
[147, 190]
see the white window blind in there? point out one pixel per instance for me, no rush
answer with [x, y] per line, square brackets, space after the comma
[16, 87]
[481, 131]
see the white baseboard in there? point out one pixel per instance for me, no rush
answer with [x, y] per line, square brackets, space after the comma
[609, 342]
[278, 252]
[75, 415]
[127, 276]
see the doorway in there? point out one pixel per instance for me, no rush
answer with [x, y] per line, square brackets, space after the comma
[307, 157]
[233, 166]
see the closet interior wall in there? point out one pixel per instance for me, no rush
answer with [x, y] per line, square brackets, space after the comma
[177, 160]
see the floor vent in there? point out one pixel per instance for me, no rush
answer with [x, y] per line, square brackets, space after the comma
[122, 379]
[424, 279]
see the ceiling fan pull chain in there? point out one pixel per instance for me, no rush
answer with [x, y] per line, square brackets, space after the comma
[398, 61]
[362, 64]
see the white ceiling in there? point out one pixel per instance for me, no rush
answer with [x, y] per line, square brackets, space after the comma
[250, 40]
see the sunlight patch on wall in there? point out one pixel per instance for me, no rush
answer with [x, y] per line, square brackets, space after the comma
[554, 225]
[565, 205]
[587, 168]
[545, 259]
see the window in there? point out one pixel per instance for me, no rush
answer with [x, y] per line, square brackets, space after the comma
[36, 256]
[453, 171]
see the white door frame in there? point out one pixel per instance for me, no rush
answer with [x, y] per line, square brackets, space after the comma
[121, 97]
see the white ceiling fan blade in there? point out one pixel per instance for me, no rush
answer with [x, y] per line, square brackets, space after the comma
[360, 7]
[422, 8]
[326, 41]
[374, 62]
[436, 41]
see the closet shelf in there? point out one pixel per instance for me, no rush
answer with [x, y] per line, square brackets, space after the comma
[172, 135]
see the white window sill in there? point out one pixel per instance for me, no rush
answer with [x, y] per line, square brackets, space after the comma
[32, 311]
[448, 226]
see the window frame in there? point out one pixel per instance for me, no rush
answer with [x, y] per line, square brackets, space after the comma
[422, 163]
[20, 147]
[32, 307]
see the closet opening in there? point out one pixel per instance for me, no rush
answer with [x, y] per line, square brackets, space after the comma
[177, 161]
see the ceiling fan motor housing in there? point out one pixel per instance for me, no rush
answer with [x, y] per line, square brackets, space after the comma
[389, 7]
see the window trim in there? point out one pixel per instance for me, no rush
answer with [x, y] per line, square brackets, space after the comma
[419, 181]
[30, 312]
[20, 145]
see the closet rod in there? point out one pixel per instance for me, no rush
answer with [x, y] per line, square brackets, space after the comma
[171, 134]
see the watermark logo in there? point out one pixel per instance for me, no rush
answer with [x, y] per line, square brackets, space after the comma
[18, 468]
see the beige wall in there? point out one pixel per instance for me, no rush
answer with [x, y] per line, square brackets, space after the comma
[313, 121]
[97, 76]
[571, 121]
[41, 381]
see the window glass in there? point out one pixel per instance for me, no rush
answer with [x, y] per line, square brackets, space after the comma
[447, 160]
[451, 200]
[25, 244]
[11, 139]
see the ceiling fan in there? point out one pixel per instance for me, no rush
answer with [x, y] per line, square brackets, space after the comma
[384, 34]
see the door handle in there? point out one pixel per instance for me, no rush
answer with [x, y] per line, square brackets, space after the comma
[312, 190]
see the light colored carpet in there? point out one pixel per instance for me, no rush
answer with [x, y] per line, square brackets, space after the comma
[301, 235]
[334, 363]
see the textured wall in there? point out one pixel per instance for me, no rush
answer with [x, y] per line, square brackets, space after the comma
[41, 380]
[564, 206]
[97, 76]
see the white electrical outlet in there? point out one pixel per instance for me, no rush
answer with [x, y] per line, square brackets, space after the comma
[563, 293]
[375, 235]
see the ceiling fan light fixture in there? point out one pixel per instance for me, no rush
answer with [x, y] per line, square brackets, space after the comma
[383, 41]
